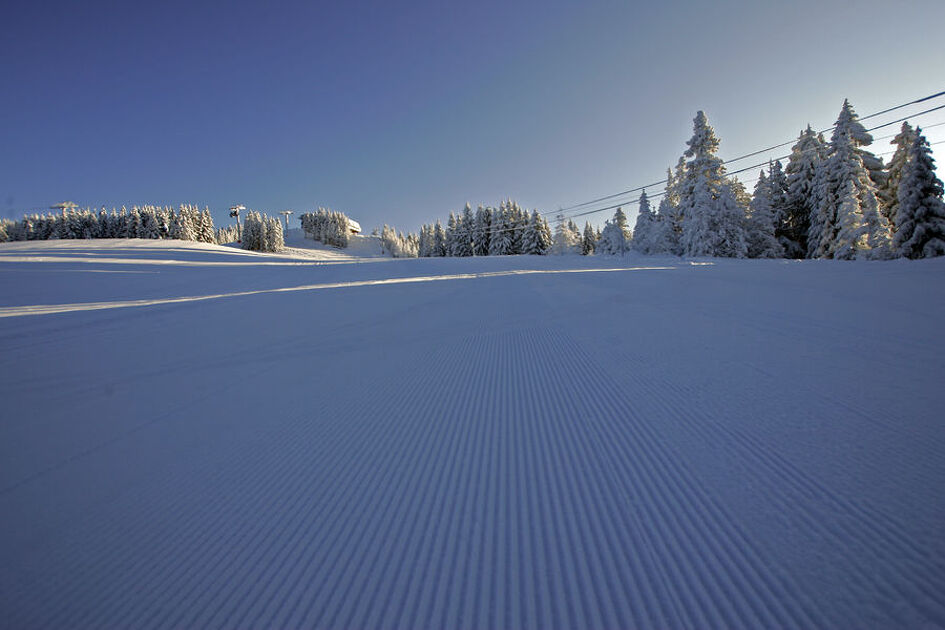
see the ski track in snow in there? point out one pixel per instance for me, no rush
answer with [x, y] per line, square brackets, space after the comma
[500, 453]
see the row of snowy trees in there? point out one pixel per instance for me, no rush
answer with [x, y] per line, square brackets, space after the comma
[262, 233]
[150, 222]
[397, 245]
[833, 200]
[502, 231]
[326, 226]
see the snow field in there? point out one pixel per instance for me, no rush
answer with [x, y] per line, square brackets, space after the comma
[740, 444]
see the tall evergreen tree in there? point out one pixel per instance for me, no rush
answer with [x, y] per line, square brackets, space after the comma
[501, 240]
[439, 240]
[567, 238]
[589, 241]
[762, 242]
[642, 230]
[704, 178]
[889, 193]
[845, 165]
[801, 199]
[482, 231]
[664, 240]
[615, 238]
[536, 239]
[731, 240]
[920, 229]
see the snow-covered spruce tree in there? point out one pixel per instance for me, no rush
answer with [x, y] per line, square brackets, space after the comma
[642, 230]
[465, 225]
[482, 231]
[801, 201]
[132, 227]
[614, 239]
[761, 231]
[397, 245]
[851, 228]
[589, 240]
[663, 236]
[532, 242]
[452, 235]
[920, 229]
[252, 231]
[889, 193]
[148, 225]
[439, 240]
[703, 180]
[778, 190]
[226, 235]
[206, 229]
[567, 238]
[731, 240]
[502, 239]
[273, 240]
[844, 166]
[5, 226]
[517, 222]
[425, 242]
[675, 181]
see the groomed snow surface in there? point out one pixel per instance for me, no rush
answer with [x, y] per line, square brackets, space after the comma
[196, 436]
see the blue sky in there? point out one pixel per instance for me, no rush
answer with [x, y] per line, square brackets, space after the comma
[399, 114]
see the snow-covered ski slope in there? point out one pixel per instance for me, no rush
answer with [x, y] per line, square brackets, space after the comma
[522, 442]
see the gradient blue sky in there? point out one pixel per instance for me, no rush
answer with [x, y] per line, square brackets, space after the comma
[401, 113]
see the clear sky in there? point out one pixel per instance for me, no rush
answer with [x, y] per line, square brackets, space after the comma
[401, 112]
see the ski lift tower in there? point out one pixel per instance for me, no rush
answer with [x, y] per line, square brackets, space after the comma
[286, 214]
[64, 205]
[235, 212]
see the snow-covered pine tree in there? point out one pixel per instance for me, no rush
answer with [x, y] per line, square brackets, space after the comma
[614, 238]
[175, 229]
[148, 225]
[642, 230]
[502, 239]
[920, 230]
[518, 222]
[531, 238]
[845, 165]
[439, 240]
[663, 236]
[188, 230]
[703, 180]
[133, 226]
[452, 236]
[778, 190]
[274, 239]
[544, 231]
[731, 240]
[482, 231]
[425, 242]
[566, 239]
[761, 231]
[589, 240]
[252, 230]
[206, 229]
[675, 180]
[802, 201]
[466, 223]
[851, 228]
[889, 193]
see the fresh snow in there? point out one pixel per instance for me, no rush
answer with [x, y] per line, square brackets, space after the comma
[235, 439]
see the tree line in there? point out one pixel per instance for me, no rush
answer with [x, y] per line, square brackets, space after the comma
[188, 223]
[834, 199]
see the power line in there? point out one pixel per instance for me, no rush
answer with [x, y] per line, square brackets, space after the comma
[765, 150]
[748, 168]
